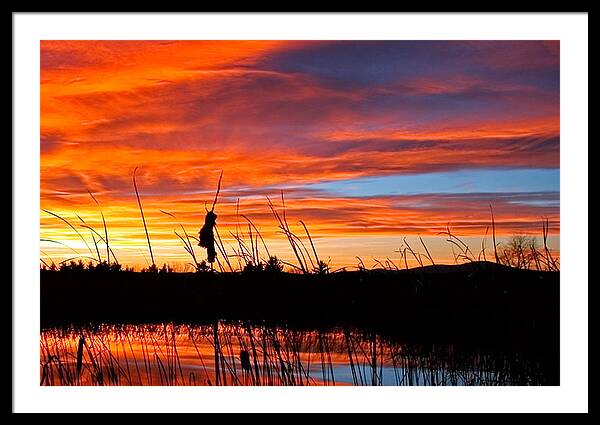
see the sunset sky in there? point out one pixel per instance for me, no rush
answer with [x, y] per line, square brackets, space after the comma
[371, 141]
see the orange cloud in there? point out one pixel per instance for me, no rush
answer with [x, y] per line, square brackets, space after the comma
[183, 110]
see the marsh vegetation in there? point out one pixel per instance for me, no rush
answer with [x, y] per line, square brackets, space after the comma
[247, 317]
[243, 353]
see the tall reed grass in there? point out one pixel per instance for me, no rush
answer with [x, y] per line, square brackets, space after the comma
[251, 253]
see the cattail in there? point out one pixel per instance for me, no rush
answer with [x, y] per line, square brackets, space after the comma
[207, 237]
[80, 355]
[206, 234]
[245, 360]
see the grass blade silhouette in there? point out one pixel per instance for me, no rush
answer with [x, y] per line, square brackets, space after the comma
[105, 229]
[72, 227]
[494, 236]
[143, 218]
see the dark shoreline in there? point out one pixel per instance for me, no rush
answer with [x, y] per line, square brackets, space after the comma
[479, 302]
[473, 308]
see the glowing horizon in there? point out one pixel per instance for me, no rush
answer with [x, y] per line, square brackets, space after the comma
[371, 142]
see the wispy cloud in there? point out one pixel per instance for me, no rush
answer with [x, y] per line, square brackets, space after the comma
[290, 115]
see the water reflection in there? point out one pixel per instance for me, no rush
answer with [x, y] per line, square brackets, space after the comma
[246, 354]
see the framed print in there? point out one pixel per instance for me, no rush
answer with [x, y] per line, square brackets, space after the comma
[262, 210]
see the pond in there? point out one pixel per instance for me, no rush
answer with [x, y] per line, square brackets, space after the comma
[244, 353]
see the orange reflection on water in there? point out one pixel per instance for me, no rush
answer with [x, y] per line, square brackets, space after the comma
[185, 355]
[244, 354]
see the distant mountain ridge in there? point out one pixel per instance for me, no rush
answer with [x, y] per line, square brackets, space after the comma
[474, 266]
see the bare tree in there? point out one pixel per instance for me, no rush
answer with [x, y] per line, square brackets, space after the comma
[521, 252]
